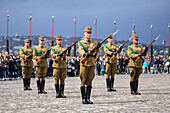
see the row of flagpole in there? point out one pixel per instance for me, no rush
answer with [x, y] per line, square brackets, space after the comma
[95, 23]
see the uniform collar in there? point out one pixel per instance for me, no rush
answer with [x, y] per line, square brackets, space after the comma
[58, 45]
[41, 46]
[110, 44]
[135, 45]
[27, 47]
[88, 40]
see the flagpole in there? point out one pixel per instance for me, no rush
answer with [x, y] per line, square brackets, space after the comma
[74, 36]
[30, 27]
[151, 41]
[169, 40]
[115, 31]
[7, 41]
[95, 28]
[52, 41]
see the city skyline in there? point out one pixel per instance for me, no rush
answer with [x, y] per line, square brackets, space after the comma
[143, 12]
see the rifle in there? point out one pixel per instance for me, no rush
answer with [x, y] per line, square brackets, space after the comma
[58, 57]
[96, 47]
[139, 57]
[45, 54]
[119, 50]
[28, 57]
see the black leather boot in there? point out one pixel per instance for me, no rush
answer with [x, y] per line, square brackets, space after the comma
[57, 91]
[42, 87]
[136, 88]
[38, 86]
[62, 91]
[83, 94]
[24, 83]
[28, 84]
[112, 85]
[88, 92]
[108, 85]
[132, 86]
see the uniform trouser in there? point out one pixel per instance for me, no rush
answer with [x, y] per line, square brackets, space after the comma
[111, 70]
[134, 74]
[59, 74]
[41, 72]
[86, 75]
[27, 72]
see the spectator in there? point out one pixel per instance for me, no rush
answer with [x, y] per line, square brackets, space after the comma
[2, 66]
[155, 64]
[12, 68]
[149, 62]
[146, 65]
[126, 61]
[18, 66]
[77, 65]
[98, 66]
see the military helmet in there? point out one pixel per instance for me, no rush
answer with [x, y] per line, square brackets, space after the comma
[88, 29]
[59, 37]
[41, 38]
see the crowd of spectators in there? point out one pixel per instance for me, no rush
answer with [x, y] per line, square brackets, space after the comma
[10, 66]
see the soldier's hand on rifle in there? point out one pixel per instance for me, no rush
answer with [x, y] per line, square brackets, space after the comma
[48, 52]
[114, 53]
[146, 48]
[86, 54]
[69, 48]
[29, 57]
[140, 55]
[60, 55]
[41, 57]
[121, 47]
[98, 45]
[95, 55]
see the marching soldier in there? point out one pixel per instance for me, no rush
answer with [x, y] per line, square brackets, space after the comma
[87, 69]
[135, 51]
[59, 68]
[41, 68]
[27, 66]
[111, 65]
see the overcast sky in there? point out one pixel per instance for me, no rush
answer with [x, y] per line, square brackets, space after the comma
[144, 12]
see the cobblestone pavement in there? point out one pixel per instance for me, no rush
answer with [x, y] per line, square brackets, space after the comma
[155, 96]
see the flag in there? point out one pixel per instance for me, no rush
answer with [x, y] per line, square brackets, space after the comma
[30, 17]
[151, 26]
[75, 20]
[95, 21]
[115, 22]
[134, 25]
[53, 18]
[168, 26]
[7, 15]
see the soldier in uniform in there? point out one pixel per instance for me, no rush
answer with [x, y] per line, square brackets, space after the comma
[27, 66]
[87, 69]
[111, 65]
[134, 51]
[41, 68]
[59, 68]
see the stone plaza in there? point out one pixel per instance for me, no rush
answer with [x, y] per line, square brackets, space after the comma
[155, 90]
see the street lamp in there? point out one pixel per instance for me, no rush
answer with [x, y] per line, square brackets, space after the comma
[164, 42]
